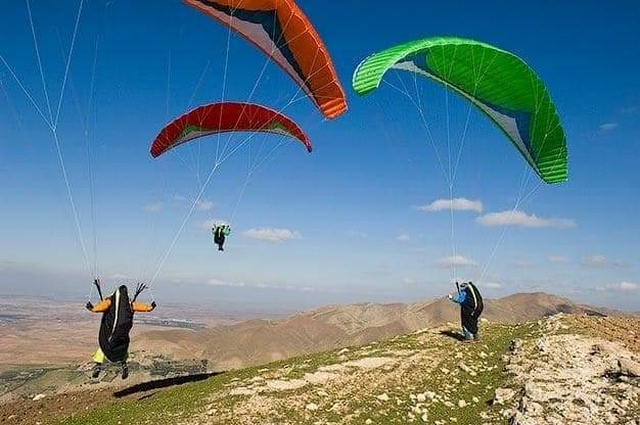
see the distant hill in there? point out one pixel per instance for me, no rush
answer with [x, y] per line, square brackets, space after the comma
[588, 375]
[258, 341]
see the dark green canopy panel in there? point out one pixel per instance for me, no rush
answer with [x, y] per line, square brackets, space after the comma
[497, 82]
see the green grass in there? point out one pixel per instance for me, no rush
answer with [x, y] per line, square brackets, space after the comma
[171, 405]
[483, 385]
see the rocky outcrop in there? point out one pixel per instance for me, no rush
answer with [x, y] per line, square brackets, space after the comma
[567, 379]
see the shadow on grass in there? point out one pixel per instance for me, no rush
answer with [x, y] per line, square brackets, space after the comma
[455, 335]
[163, 383]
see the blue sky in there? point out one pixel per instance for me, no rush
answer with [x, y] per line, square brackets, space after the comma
[342, 224]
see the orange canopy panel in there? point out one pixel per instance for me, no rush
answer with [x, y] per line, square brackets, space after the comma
[282, 31]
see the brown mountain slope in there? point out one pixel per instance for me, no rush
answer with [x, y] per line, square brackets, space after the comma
[259, 341]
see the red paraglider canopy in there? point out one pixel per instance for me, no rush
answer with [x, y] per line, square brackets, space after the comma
[225, 117]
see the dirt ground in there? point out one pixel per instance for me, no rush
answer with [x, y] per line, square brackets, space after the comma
[52, 408]
[56, 407]
[621, 329]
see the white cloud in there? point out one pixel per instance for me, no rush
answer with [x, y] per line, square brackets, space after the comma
[218, 282]
[403, 238]
[455, 261]
[522, 219]
[628, 286]
[204, 205]
[215, 282]
[153, 208]
[600, 261]
[608, 126]
[459, 204]
[287, 287]
[622, 286]
[409, 281]
[523, 264]
[492, 285]
[558, 259]
[301, 288]
[272, 235]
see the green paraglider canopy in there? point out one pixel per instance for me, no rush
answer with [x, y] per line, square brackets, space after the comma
[497, 82]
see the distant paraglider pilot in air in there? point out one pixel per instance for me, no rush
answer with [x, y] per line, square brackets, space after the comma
[220, 232]
[117, 320]
[471, 306]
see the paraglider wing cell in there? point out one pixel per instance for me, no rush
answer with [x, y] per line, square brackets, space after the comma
[281, 30]
[225, 117]
[497, 82]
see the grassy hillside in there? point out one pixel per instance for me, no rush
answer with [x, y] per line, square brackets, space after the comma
[559, 369]
[426, 374]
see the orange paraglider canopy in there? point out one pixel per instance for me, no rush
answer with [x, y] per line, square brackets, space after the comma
[282, 31]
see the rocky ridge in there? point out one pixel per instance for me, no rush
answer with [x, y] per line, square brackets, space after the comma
[562, 378]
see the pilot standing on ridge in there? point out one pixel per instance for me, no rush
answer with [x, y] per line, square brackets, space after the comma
[471, 306]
